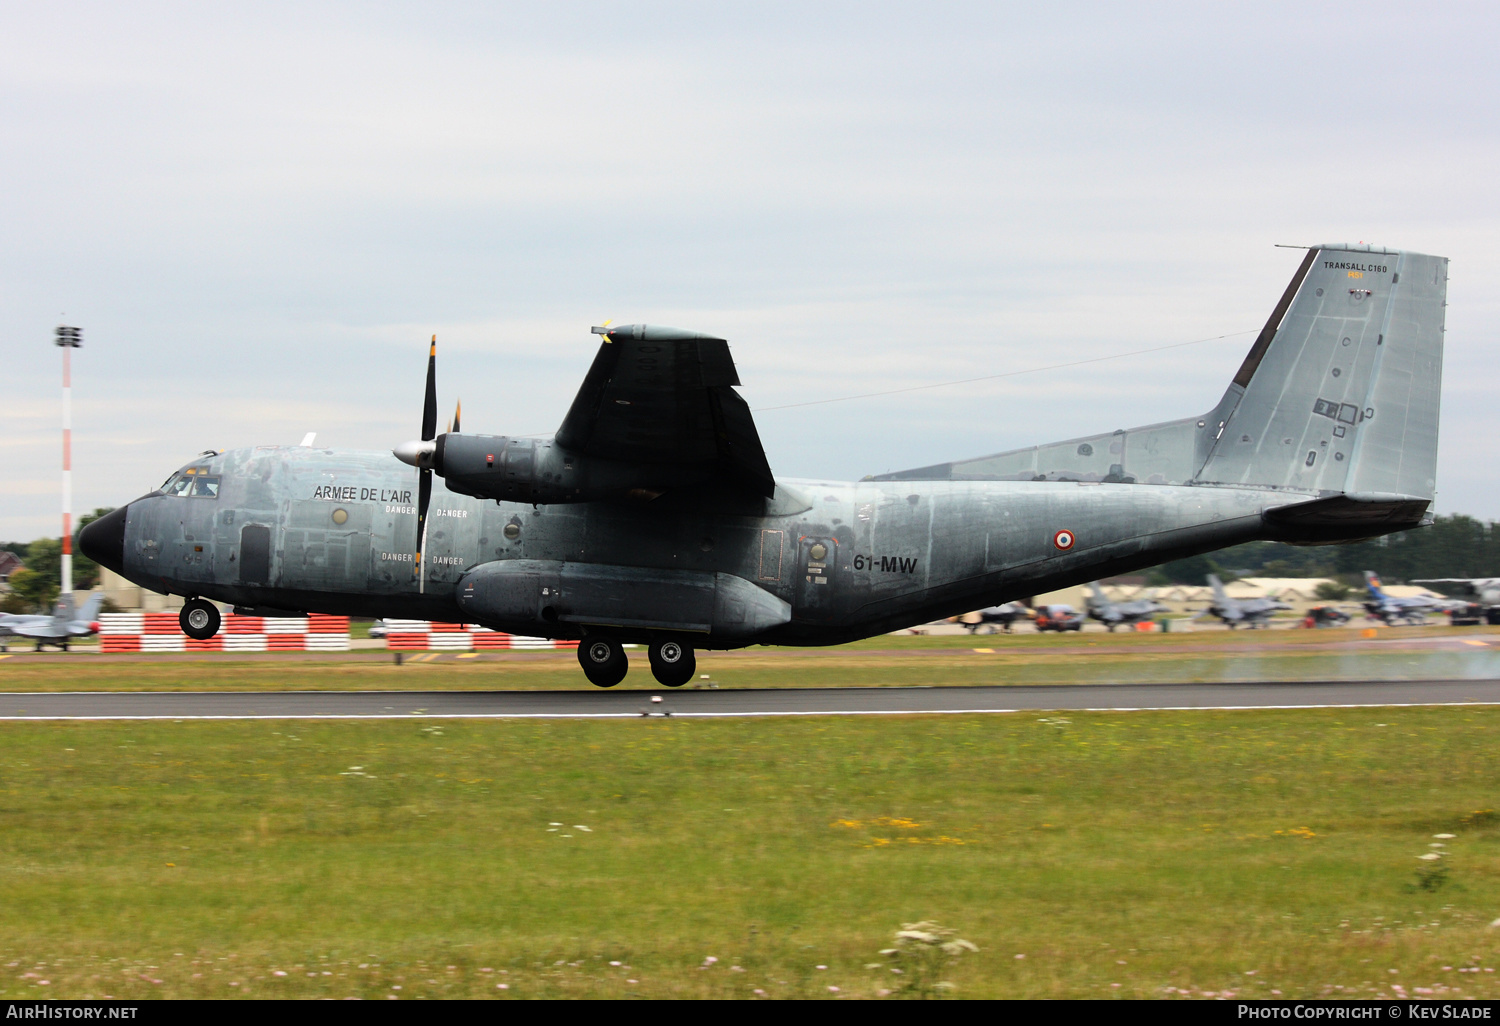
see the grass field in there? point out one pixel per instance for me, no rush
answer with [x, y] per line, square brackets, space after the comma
[1437, 652]
[1092, 855]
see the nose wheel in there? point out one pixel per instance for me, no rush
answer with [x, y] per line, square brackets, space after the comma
[672, 663]
[603, 661]
[199, 619]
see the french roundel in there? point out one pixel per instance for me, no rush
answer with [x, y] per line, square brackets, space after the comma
[1063, 540]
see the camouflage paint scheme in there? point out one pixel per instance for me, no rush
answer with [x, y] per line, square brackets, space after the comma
[640, 525]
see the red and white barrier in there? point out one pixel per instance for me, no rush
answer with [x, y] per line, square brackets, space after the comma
[161, 632]
[428, 636]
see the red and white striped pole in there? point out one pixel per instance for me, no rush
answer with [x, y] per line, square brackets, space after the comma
[69, 339]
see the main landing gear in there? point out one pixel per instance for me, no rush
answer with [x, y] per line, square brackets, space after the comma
[672, 663]
[199, 619]
[603, 662]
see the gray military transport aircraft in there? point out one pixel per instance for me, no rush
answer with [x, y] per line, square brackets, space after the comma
[652, 516]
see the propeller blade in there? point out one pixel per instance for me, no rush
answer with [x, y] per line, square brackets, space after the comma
[429, 405]
[457, 410]
[424, 496]
[424, 474]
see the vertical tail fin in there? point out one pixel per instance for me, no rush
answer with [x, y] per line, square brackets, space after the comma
[63, 611]
[1373, 584]
[1220, 598]
[90, 610]
[1339, 394]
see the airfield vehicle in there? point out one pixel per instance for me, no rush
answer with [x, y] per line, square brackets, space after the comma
[1058, 618]
[1325, 616]
[1469, 614]
[652, 516]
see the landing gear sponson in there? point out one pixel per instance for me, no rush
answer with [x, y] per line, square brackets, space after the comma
[603, 660]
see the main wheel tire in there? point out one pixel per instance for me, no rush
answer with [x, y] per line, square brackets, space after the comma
[603, 661]
[199, 619]
[672, 663]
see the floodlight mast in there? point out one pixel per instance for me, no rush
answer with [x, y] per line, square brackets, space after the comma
[68, 339]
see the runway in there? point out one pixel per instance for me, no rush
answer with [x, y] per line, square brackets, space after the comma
[851, 701]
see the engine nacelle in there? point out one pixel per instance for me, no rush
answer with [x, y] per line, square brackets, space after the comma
[536, 596]
[541, 471]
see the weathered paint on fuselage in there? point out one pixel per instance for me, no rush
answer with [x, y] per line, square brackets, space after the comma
[324, 530]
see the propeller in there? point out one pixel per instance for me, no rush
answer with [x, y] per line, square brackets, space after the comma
[419, 454]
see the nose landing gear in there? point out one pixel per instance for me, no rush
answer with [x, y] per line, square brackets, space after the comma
[199, 619]
[672, 663]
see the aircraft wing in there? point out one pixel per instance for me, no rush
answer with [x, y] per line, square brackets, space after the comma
[10, 620]
[39, 630]
[1471, 585]
[665, 396]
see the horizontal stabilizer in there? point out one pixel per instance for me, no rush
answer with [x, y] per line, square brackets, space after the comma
[1349, 516]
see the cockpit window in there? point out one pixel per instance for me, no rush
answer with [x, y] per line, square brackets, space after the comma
[193, 481]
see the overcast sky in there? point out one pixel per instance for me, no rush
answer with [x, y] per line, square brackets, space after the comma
[259, 214]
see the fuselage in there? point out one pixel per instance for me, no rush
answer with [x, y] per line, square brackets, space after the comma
[325, 530]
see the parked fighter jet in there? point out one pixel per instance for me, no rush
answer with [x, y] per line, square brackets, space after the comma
[64, 623]
[1113, 614]
[987, 619]
[1250, 612]
[1411, 610]
[9, 620]
[652, 515]
[1483, 590]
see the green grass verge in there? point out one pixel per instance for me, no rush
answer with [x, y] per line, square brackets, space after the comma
[1210, 853]
[887, 662]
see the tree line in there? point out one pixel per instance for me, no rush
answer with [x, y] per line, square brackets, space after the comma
[34, 587]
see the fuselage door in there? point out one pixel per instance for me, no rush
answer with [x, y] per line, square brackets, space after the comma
[770, 555]
[255, 554]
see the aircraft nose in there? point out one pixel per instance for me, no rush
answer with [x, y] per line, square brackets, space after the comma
[103, 540]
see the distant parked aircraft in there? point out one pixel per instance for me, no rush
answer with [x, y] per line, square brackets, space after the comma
[1250, 612]
[1483, 590]
[1113, 614]
[1391, 610]
[64, 623]
[988, 617]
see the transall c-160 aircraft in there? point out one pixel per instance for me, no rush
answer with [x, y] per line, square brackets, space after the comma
[652, 516]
